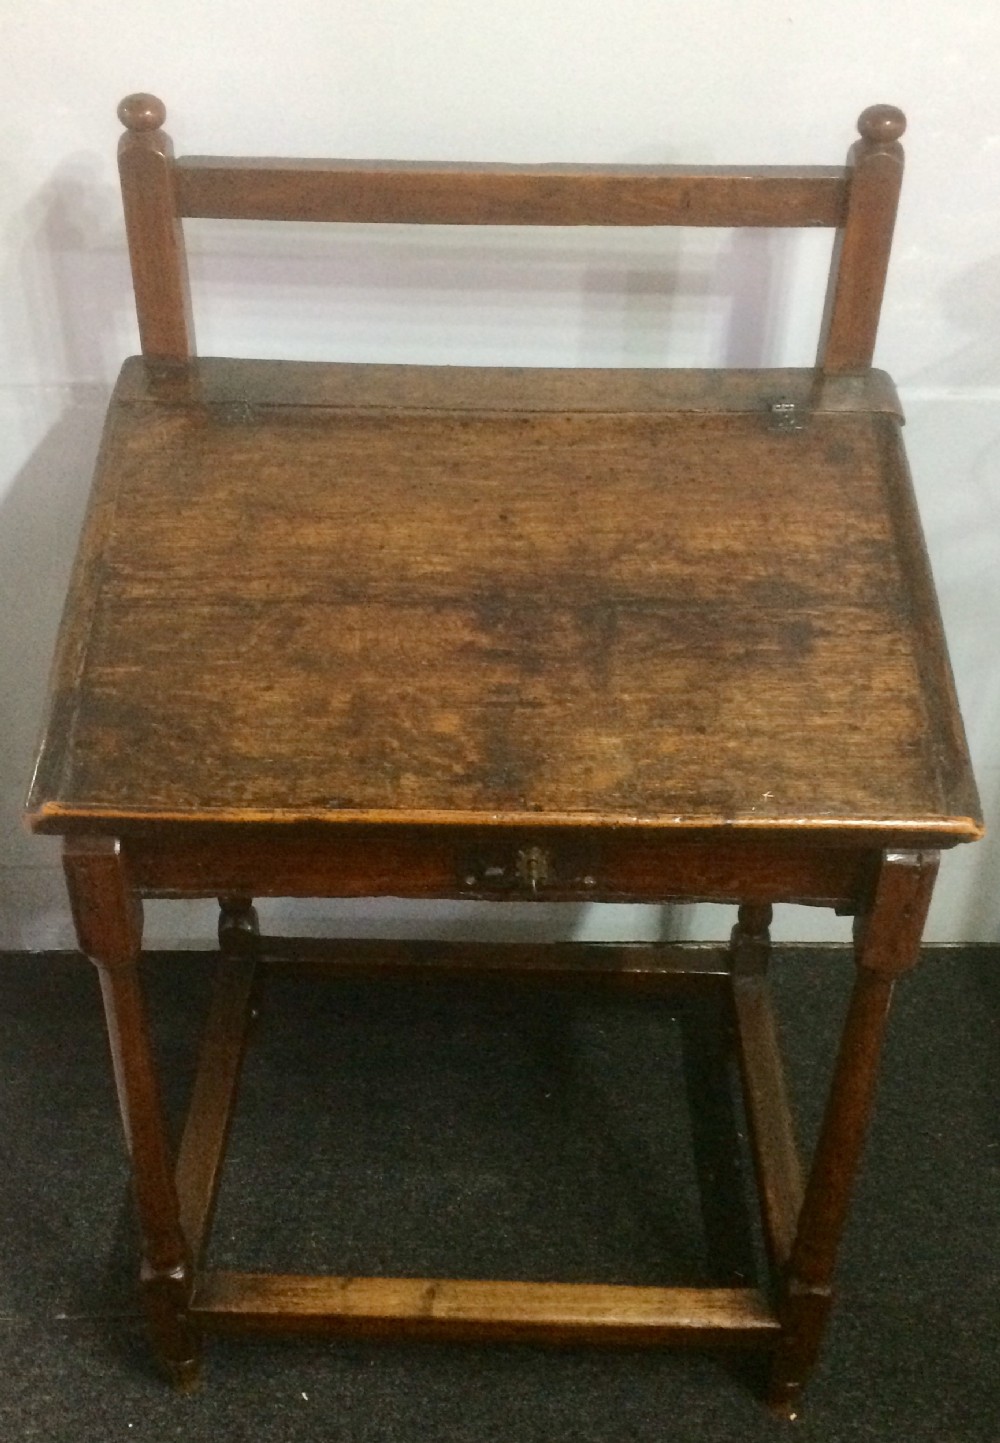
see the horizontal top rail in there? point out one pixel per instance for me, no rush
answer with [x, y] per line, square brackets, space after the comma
[857, 200]
[450, 193]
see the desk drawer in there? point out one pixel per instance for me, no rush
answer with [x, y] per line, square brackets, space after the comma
[494, 863]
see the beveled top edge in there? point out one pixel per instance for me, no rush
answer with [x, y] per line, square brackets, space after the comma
[611, 170]
[51, 817]
[215, 381]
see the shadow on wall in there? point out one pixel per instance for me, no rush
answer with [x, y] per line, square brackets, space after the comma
[954, 409]
[64, 301]
[970, 301]
[64, 298]
[40, 516]
[68, 295]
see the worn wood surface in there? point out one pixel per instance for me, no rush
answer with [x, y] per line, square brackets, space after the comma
[863, 242]
[346, 630]
[456, 1308]
[155, 237]
[765, 1093]
[631, 616]
[108, 920]
[213, 1099]
[234, 388]
[769, 1116]
[656, 968]
[345, 859]
[887, 945]
[859, 199]
[455, 194]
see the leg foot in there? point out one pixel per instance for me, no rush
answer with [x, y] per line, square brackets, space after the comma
[784, 1404]
[184, 1377]
[176, 1339]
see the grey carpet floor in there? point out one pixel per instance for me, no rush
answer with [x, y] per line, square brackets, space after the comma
[468, 1131]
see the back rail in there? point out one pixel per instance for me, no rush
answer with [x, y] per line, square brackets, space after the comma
[858, 200]
[555, 195]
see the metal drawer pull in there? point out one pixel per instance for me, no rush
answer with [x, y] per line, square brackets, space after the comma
[533, 867]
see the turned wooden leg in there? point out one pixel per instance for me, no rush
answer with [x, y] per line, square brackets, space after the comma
[887, 944]
[750, 940]
[238, 925]
[108, 917]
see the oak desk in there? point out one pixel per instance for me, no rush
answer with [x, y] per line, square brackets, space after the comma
[343, 630]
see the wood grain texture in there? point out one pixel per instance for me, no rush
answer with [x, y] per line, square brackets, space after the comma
[454, 1308]
[106, 907]
[929, 641]
[656, 968]
[233, 388]
[765, 1094]
[155, 243]
[642, 617]
[772, 1131]
[213, 1099]
[887, 944]
[108, 920]
[361, 631]
[635, 863]
[887, 932]
[443, 193]
[861, 255]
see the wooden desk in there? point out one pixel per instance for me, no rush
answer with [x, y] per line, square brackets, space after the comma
[439, 632]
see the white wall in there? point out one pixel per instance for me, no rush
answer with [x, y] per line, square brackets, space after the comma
[526, 80]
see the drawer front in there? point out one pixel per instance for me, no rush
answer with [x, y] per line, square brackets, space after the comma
[495, 863]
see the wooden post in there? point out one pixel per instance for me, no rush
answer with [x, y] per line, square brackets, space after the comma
[861, 249]
[750, 940]
[887, 944]
[153, 226]
[108, 916]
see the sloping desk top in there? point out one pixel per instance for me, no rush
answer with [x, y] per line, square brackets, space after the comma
[312, 593]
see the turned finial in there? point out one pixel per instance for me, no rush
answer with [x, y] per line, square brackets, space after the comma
[142, 112]
[881, 124]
